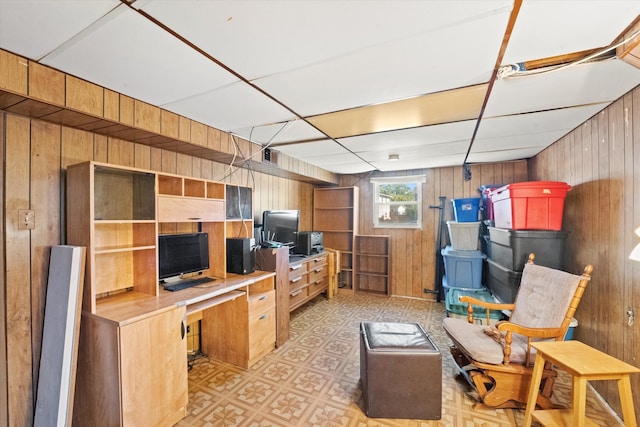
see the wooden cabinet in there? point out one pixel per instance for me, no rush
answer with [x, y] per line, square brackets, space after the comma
[335, 213]
[132, 373]
[112, 212]
[239, 213]
[372, 264]
[252, 326]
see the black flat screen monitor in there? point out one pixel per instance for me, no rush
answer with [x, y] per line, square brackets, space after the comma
[281, 226]
[182, 253]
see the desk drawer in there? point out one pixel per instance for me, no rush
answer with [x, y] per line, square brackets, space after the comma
[262, 302]
[298, 296]
[262, 334]
[297, 270]
[318, 286]
[298, 281]
[317, 272]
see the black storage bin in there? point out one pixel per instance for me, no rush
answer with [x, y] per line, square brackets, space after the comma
[400, 371]
[511, 248]
[502, 282]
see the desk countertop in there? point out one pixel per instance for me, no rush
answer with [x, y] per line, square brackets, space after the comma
[129, 307]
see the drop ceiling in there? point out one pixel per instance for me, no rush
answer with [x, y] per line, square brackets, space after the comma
[344, 84]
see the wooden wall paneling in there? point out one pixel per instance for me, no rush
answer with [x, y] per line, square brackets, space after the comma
[213, 138]
[46, 84]
[146, 116]
[111, 105]
[602, 260]
[14, 76]
[126, 110]
[616, 247]
[142, 156]
[120, 152]
[156, 159]
[4, 419]
[100, 148]
[198, 134]
[169, 124]
[84, 96]
[76, 146]
[628, 227]
[45, 201]
[426, 255]
[633, 345]
[184, 164]
[169, 162]
[184, 128]
[18, 302]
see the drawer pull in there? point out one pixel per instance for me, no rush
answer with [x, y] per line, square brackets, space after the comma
[264, 316]
[195, 218]
[319, 269]
[295, 267]
[296, 279]
[296, 293]
[262, 298]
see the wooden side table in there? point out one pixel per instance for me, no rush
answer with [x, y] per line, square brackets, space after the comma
[584, 363]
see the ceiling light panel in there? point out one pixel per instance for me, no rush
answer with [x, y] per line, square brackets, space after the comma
[537, 122]
[444, 107]
[127, 53]
[426, 135]
[550, 28]
[35, 28]
[258, 39]
[395, 70]
[588, 83]
[295, 130]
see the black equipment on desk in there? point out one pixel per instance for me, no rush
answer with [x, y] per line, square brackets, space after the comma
[240, 256]
[309, 243]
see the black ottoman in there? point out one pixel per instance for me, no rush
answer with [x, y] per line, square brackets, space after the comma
[400, 371]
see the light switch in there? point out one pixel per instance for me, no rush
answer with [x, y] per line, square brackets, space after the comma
[26, 219]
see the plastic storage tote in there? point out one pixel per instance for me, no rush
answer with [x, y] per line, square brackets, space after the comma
[511, 248]
[533, 205]
[466, 210]
[463, 268]
[486, 208]
[464, 235]
[458, 309]
[502, 282]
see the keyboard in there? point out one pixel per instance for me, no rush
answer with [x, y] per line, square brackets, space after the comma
[187, 283]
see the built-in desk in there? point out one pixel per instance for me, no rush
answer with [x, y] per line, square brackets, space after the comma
[132, 361]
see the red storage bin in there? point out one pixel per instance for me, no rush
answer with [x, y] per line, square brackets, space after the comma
[533, 205]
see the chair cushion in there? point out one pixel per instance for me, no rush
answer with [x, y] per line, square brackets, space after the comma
[544, 297]
[472, 340]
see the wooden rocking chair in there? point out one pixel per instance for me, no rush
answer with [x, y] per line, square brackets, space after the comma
[497, 360]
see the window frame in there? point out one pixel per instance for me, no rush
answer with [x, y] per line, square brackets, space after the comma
[418, 180]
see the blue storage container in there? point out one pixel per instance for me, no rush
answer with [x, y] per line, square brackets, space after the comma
[466, 210]
[463, 268]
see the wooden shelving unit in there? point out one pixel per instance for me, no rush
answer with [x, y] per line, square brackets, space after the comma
[335, 213]
[239, 211]
[372, 264]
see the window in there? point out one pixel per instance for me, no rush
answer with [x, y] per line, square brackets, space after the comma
[397, 201]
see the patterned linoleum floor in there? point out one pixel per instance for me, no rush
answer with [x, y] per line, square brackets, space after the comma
[313, 380]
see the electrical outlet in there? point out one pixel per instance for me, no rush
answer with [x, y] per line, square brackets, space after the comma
[26, 219]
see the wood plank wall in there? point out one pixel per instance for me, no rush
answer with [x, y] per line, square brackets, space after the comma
[37, 154]
[413, 251]
[601, 160]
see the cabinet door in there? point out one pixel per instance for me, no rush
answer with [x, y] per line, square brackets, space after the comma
[153, 364]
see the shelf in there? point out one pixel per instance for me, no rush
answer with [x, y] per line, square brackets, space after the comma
[127, 248]
[372, 264]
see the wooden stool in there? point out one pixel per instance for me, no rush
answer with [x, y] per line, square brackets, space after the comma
[584, 363]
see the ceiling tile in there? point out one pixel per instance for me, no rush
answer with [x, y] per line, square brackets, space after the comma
[397, 140]
[505, 155]
[258, 39]
[128, 54]
[449, 57]
[308, 150]
[295, 130]
[512, 142]
[35, 28]
[443, 107]
[551, 28]
[231, 107]
[589, 83]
